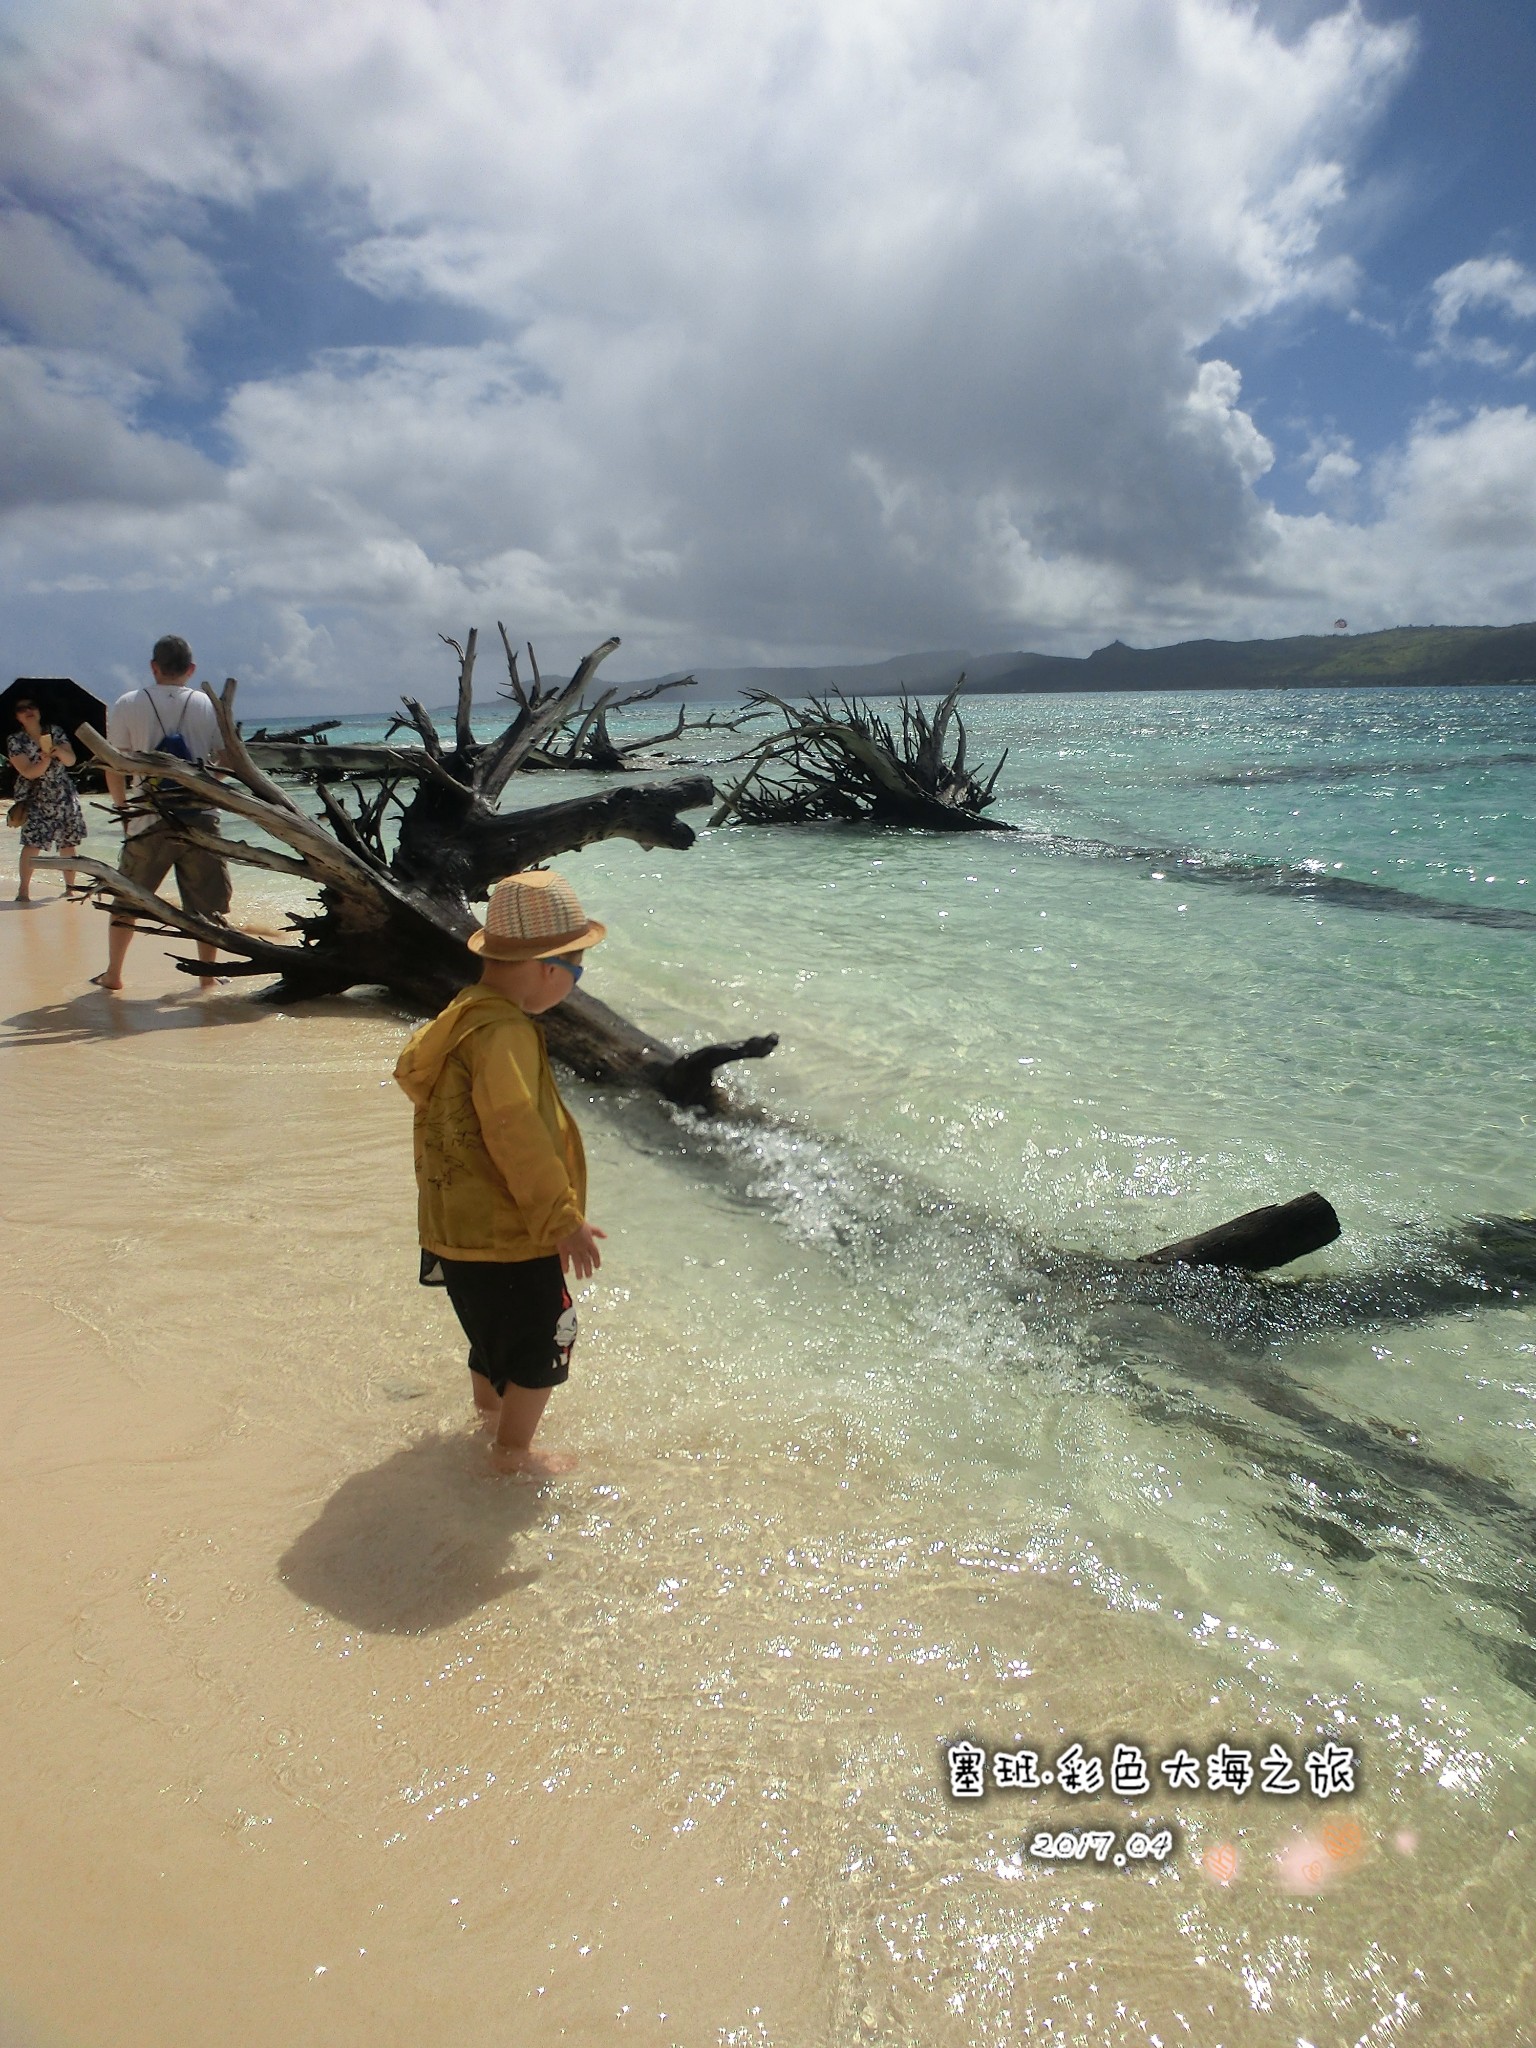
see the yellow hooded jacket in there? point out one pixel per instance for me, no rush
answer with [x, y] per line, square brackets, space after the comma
[500, 1171]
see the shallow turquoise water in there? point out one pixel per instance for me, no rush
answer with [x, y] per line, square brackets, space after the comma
[1236, 951]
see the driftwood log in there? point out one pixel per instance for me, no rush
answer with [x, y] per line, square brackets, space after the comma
[293, 733]
[1258, 1239]
[396, 913]
[836, 760]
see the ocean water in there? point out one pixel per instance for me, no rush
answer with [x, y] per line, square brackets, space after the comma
[883, 1452]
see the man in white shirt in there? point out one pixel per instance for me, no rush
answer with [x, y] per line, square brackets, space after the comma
[172, 718]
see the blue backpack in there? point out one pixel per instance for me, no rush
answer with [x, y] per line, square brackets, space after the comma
[171, 796]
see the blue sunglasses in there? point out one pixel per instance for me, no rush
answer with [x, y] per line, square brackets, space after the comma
[574, 968]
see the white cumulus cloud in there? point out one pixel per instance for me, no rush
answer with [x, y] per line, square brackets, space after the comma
[1454, 509]
[1482, 285]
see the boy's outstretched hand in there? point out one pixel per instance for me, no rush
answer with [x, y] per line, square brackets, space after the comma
[579, 1253]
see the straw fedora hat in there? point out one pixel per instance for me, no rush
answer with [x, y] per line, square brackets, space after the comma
[532, 916]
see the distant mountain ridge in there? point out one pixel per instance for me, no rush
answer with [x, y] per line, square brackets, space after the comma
[1400, 656]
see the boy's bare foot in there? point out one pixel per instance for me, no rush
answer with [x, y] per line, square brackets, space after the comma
[532, 1464]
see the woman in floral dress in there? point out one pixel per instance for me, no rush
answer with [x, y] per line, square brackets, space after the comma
[40, 755]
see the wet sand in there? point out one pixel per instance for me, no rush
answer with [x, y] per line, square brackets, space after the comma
[318, 1733]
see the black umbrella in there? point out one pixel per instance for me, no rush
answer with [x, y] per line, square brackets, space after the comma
[60, 701]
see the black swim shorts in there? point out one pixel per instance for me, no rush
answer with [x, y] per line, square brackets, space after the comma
[518, 1319]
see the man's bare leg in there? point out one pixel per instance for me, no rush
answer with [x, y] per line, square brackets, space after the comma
[521, 1410]
[119, 939]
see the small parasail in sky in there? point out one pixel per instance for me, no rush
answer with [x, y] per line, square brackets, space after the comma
[1341, 625]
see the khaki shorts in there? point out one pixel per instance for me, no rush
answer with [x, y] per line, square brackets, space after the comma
[202, 879]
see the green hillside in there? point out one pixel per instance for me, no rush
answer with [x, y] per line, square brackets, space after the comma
[1403, 655]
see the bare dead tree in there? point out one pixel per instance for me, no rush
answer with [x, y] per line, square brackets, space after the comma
[589, 744]
[582, 739]
[394, 909]
[836, 759]
[578, 737]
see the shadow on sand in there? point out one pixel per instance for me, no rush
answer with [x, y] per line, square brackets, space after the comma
[98, 1013]
[416, 1544]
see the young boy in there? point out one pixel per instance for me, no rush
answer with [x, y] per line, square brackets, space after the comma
[500, 1173]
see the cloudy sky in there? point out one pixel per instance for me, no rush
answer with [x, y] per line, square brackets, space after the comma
[820, 331]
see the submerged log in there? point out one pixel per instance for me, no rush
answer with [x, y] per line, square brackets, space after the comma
[1258, 1239]
[601, 1045]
